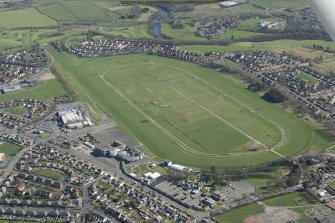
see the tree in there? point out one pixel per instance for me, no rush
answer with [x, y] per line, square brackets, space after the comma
[274, 96]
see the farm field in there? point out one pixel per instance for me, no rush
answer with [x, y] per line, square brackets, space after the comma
[9, 149]
[44, 90]
[22, 38]
[179, 110]
[28, 17]
[83, 11]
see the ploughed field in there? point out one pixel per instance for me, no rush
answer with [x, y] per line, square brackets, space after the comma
[187, 113]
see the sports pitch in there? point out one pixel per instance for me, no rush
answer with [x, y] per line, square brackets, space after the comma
[187, 113]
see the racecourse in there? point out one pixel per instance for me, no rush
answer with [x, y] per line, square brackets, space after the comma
[186, 113]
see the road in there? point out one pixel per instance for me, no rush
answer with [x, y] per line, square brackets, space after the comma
[113, 167]
[11, 165]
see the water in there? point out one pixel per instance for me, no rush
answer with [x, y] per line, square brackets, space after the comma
[156, 29]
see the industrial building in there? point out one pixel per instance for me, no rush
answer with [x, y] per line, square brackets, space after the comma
[73, 119]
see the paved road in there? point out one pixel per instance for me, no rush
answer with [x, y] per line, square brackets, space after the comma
[11, 165]
[113, 167]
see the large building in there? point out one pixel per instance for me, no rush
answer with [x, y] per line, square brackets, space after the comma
[73, 119]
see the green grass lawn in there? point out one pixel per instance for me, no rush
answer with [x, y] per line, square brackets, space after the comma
[49, 174]
[177, 114]
[16, 111]
[44, 90]
[141, 169]
[161, 170]
[309, 79]
[291, 200]
[238, 215]
[28, 17]
[9, 149]
[332, 185]
[259, 181]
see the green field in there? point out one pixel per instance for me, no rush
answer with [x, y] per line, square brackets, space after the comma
[277, 46]
[23, 38]
[298, 202]
[275, 4]
[49, 174]
[16, 111]
[45, 90]
[332, 185]
[187, 113]
[260, 181]
[291, 200]
[238, 215]
[141, 31]
[9, 149]
[83, 11]
[28, 17]
[187, 33]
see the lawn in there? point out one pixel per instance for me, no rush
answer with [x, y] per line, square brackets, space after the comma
[49, 174]
[28, 17]
[45, 90]
[179, 110]
[141, 169]
[16, 111]
[291, 200]
[259, 181]
[238, 215]
[161, 170]
[9, 149]
[332, 185]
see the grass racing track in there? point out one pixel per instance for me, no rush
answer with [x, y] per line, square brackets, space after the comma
[187, 113]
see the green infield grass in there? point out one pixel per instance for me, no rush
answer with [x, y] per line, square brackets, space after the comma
[187, 113]
[9, 149]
